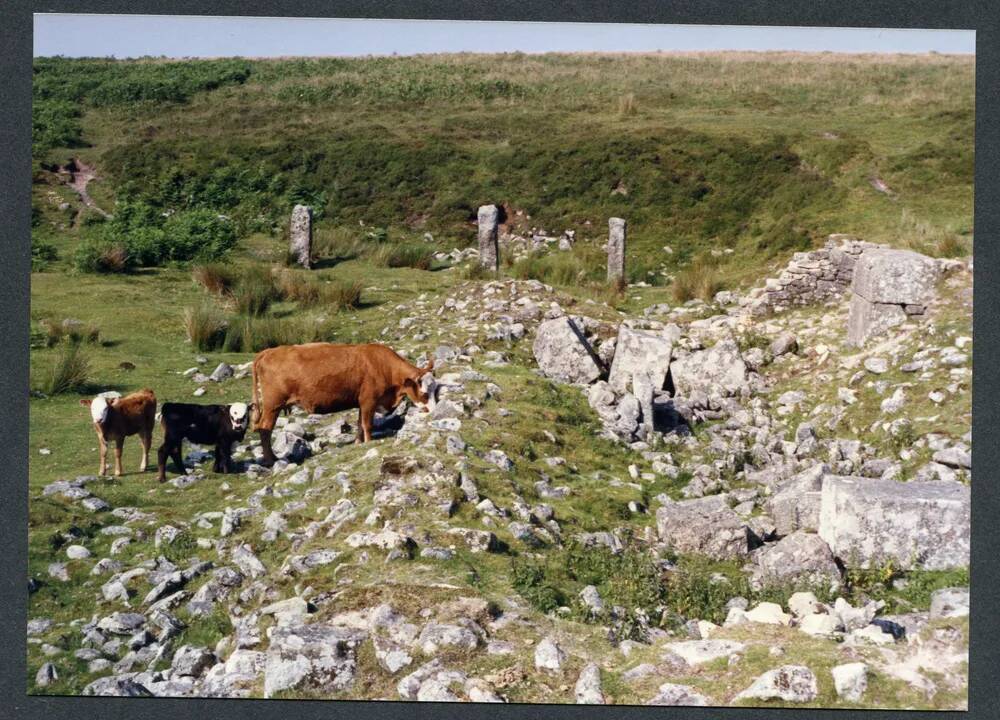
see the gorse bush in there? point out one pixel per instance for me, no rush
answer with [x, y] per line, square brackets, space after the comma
[139, 236]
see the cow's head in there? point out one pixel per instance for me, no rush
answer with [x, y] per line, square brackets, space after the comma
[99, 407]
[239, 413]
[422, 388]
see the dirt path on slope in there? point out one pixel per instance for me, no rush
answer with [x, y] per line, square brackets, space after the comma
[80, 175]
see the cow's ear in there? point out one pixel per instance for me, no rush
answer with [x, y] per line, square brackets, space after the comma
[428, 367]
[86, 402]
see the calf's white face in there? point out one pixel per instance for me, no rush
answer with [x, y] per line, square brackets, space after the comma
[238, 415]
[99, 409]
[429, 387]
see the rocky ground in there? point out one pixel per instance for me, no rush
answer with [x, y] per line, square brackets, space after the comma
[744, 509]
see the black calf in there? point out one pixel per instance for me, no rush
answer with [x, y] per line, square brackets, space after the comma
[219, 425]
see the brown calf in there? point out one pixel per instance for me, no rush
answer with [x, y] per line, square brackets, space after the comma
[116, 419]
[326, 378]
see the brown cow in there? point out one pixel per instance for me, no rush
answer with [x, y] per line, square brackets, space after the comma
[117, 418]
[326, 378]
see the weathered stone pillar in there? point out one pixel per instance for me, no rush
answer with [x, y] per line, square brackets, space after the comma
[300, 237]
[616, 250]
[489, 248]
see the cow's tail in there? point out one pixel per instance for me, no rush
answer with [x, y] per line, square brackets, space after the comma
[255, 380]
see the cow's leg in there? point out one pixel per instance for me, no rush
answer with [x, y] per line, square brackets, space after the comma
[367, 417]
[268, 417]
[219, 463]
[178, 456]
[146, 438]
[103, 449]
[119, 444]
[161, 461]
[360, 435]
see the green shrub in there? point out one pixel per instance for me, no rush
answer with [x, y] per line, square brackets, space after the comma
[529, 579]
[98, 254]
[42, 253]
[197, 234]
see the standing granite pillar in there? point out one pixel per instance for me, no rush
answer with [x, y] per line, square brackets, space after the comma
[300, 237]
[489, 249]
[616, 250]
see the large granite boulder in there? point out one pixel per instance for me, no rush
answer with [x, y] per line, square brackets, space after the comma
[639, 353]
[799, 556]
[887, 287]
[915, 525]
[720, 370]
[563, 352]
[705, 526]
[319, 658]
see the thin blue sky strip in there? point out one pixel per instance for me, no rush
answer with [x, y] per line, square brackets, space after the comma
[123, 36]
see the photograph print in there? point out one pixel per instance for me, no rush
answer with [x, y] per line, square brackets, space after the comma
[500, 362]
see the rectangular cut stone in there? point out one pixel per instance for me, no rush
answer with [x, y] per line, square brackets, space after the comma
[643, 353]
[489, 249]
[300, 235]
[899, 277]
[616, 249]
[867, 319]
[915, 525]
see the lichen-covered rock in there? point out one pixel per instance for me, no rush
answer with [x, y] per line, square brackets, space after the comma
[899, 277]
[799, 556]
[699, 652]
[639, 353]
[888, 286]
[915, 525]
[950, 603]
[588, 686]
[320, 658]
[850, 681]
[671, 694]
[704, 526]
[548, 655]
[791, 683]
[720, 370]
[563, 352]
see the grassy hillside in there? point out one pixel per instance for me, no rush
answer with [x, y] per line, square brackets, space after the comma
[764, 153]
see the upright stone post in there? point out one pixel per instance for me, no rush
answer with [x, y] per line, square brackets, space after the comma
[300, 237]
[616, 250]
[489, 249]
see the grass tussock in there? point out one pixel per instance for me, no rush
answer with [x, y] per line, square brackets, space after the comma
[205, 326]
[253, 334]
[69, 330]
[701, 279]
[217, 278]
[70, 371]
[931, 239]
[627, 105]
[409, 255]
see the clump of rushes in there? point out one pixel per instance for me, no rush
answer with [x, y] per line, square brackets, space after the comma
[69, 373]
[205, 327]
